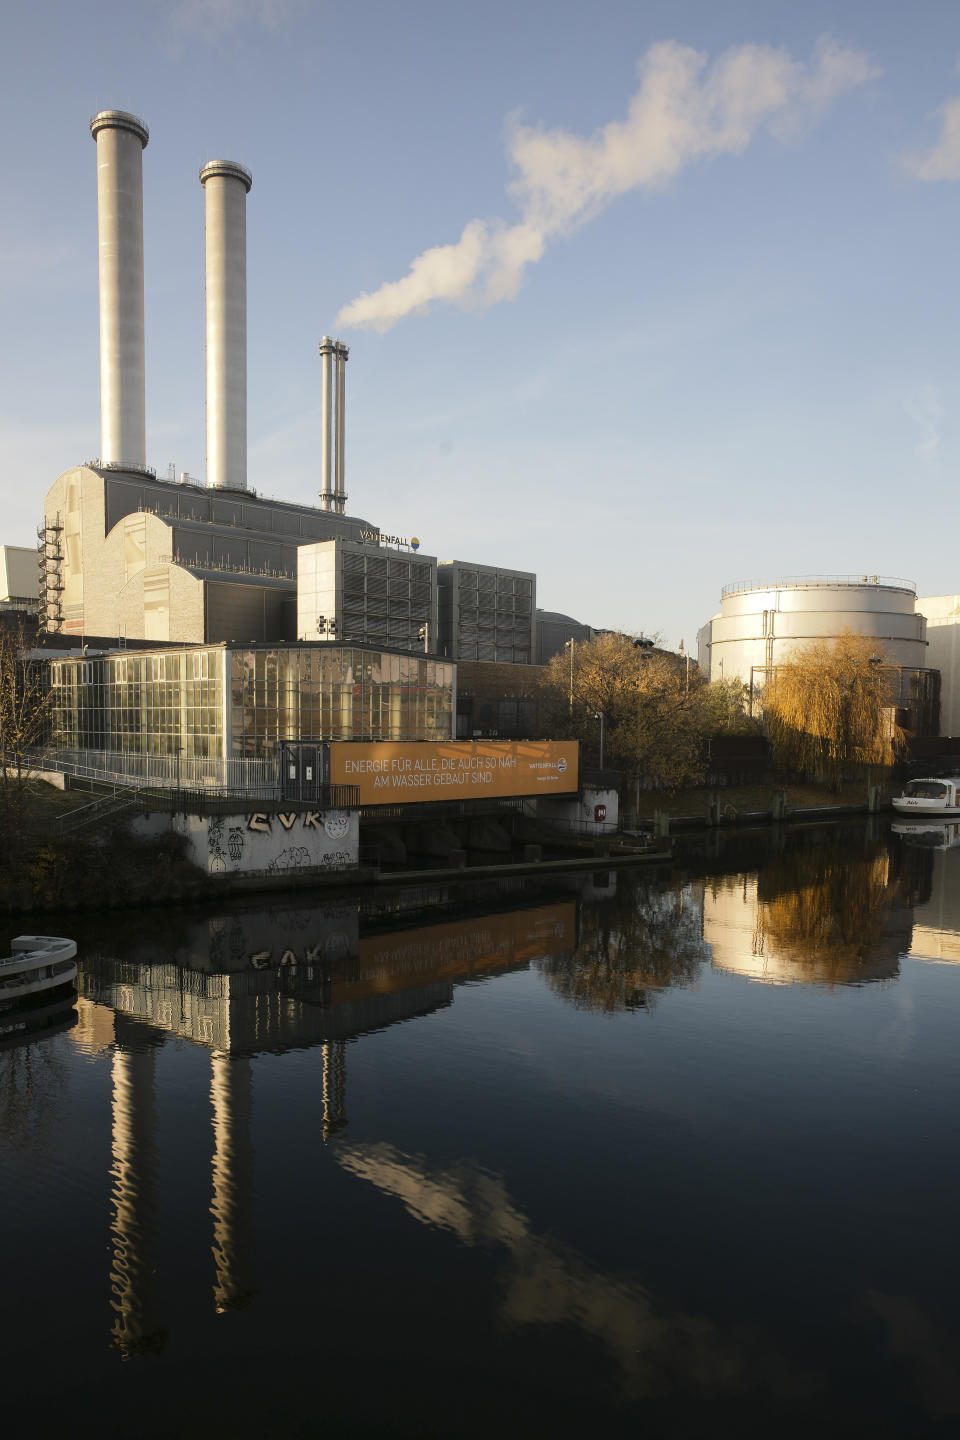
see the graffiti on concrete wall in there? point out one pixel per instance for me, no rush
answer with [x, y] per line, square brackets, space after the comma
[272, 842]
[295, 857]
[216, 858]
[335, 824]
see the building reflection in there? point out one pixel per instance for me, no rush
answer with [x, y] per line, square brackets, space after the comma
[825, 913]
[133, 1197]
[302, 979]
[936, 918]
[334, 1088]
[231, 1097]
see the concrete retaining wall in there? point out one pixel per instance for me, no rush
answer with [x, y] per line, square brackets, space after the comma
[265, 843]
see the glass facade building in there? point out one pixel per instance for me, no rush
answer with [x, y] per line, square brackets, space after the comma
[227, 701]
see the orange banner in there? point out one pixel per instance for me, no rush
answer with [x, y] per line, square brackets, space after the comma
[412, 771]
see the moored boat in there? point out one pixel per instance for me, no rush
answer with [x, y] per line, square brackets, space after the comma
[34, 978]
[929, 796]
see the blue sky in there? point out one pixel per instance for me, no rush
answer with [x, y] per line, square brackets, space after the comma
[731, 352]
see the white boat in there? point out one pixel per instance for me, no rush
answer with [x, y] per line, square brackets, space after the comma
[929, 797]
[40, 971]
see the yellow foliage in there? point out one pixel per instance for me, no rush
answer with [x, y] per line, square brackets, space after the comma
[829, 710]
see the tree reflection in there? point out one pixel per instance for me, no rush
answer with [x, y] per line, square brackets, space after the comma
[645, 939]
[33, 1081]
[833, 912]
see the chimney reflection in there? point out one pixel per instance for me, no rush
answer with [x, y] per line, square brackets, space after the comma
[334, 1088]
[231, 1095]
[133, 1225]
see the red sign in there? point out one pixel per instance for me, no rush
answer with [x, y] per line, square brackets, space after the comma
[599, 812]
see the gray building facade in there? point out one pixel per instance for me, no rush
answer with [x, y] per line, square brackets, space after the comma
[132, 556]
[486, 612]
[370, 594]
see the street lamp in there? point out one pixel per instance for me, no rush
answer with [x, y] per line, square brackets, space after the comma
[599, 716]
[644, 648]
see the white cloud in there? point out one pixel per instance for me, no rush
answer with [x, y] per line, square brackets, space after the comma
[209, 19]
[682, 111]
[942, 162]
[925, 410]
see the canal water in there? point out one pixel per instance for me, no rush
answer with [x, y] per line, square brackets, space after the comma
[642, 1152]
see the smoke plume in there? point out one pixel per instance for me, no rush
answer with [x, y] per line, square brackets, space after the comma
[682, 111]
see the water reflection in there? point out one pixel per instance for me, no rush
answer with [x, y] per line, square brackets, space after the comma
[635, 941]
[936, 916]
[656, 1269]
[136, 1328]
[827, 913]
[544, 1282]
[255, 983]
[33, 1078]
[231, 1098]
[935, 835]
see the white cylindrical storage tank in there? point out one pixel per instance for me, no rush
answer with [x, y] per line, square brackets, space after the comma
[226, 186]
[120, 140]
[763, 624]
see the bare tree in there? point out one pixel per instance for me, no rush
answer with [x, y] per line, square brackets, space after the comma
[655, 713]
[24, 714]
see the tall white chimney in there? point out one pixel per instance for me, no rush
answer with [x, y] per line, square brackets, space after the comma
[226, 186]
[328, 492]
[120, 140]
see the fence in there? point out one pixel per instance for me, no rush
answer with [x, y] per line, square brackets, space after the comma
[252, 779]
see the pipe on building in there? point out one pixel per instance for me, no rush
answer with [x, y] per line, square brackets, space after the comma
[120, 140]
[226, 186]
[342, 354]
[328, 492]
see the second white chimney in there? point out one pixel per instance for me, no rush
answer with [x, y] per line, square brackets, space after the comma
[226, 186]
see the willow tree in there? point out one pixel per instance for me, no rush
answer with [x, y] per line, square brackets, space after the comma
[829, 710]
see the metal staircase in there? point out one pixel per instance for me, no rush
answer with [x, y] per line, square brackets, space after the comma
[50, 577]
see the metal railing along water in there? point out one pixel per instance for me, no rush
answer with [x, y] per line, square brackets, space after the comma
[815, 582]
[251, 779]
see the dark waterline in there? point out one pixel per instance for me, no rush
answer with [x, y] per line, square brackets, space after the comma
[631, 1153]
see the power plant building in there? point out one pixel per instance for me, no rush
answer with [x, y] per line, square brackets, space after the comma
[368, 594]
[146, 559]
[18, 579]
[218, 624]
[486, 613]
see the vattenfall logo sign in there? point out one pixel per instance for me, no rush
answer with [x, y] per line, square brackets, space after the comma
[377, 537]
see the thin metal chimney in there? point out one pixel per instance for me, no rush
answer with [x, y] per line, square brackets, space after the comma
[226, 186]
[120, 140]
[328, 492]
[342, 354]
